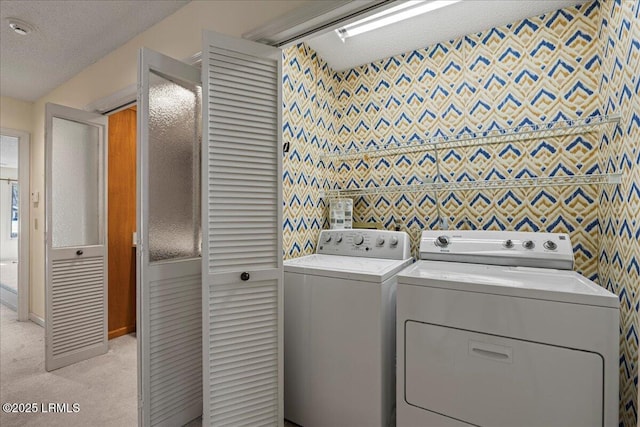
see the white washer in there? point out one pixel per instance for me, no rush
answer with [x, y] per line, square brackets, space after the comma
[494, 329]
[339, 329]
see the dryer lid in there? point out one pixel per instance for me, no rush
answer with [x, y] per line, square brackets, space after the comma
[524, 282]
[346, 267]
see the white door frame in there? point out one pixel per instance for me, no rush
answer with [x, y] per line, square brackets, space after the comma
[24, 164]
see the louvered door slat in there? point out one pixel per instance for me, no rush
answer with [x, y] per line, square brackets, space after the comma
[233, 135]
[256, 111]
[174, 361]
[257, 151]
[241, 66]
[72, 320]
[242, 336]
[237, 92]
[245, 62]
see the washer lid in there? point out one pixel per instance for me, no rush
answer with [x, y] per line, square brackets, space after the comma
[525, 282]
[346, 267]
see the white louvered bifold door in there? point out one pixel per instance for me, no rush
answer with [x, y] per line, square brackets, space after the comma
[76, 250]
[242, 243]
[168, 228]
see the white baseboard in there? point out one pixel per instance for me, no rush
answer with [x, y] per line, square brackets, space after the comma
[8, 297]
[36, 319]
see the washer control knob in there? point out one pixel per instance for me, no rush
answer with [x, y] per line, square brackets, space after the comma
[339, 238]
[442, 241]
[327, 238]
[550, 245]
[508, 243]
[528, 244]
[358, 240]
[380, 241]
[393, 241]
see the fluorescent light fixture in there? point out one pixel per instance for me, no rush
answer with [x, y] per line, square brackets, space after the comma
[404, 10]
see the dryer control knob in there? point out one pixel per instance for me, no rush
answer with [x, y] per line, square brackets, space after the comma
[393, 241]
[508, 244]
[339, 238]
[442, 241]
[327, 238]
[380, 241]
[358, 240]
[550, 245]
[528, 244]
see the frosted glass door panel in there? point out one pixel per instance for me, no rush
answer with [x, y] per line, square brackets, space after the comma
[174, 170]
[75, 168]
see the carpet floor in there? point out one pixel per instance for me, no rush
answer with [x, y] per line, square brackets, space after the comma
[104, 387]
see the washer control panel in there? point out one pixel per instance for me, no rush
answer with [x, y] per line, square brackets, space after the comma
[514, 248]
[365, 243]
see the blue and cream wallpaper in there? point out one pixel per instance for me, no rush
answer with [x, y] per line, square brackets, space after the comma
[568, 64]
[309, 115]
[536, 70]
[619, 248]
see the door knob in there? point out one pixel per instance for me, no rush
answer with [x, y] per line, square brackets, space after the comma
[245, 276]
[79, 252]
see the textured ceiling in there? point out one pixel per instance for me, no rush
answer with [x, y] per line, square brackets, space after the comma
[70, 36]
[459, 19]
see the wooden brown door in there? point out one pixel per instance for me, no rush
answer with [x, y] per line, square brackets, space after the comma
[122, 222]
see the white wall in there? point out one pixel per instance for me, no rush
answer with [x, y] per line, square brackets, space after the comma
[179, 36]
[8, 246]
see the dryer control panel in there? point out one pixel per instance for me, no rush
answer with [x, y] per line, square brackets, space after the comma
[512, 248]
[365, 243]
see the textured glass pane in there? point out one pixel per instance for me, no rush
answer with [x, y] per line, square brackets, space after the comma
[75, 184]
[174, 170]
[15, 203]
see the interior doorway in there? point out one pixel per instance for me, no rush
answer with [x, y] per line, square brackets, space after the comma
[14, 221]
[122, 222]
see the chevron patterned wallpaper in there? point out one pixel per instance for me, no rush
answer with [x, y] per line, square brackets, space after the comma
[535, 70]
[309, 114]
[572, 63]
[619, 249]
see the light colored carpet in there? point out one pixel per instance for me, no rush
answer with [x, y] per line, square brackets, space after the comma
[198, 423]
[105, 387]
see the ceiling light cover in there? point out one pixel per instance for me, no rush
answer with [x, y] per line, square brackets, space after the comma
[404, 10]
[20, 27]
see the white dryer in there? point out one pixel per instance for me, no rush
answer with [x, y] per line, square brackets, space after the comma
[494, 329]
[339, 329]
